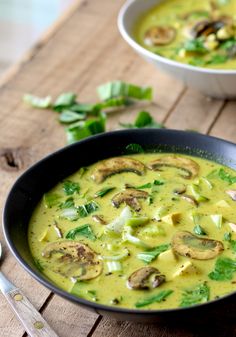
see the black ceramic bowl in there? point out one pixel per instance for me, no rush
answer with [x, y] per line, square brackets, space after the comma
[42, 176]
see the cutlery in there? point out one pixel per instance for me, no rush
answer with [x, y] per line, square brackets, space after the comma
[30, 318]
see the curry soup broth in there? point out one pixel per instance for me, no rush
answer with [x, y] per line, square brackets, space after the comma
[191, 43]
[170, 207]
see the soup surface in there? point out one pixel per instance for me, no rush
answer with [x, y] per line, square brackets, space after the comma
[150, 231]
[200, 33]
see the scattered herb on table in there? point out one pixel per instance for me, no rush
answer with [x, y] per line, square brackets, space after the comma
[84, 120]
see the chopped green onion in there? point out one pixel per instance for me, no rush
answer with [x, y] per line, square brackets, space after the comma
[64, 100]
[68, 116]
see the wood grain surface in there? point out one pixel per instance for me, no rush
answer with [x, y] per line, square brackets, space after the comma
[80, 52]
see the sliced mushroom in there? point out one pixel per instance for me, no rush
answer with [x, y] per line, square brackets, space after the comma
[73, 259]
[186, 244]
[232, 194]
[129, 197]
[116, 165]
[99, 219]
[190, 199]
[190, 167]
[159, 35]
[145, 278]
[179, 189]
[205, 28]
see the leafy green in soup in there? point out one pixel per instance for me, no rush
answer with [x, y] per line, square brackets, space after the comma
[144, 230]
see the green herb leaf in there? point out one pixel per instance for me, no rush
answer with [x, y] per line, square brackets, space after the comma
[83, 129]
[70, 187]
[65, 100]
[134, 148]
[161, 296]
[150, 185]
[227, 236]
[84, 230]
[195, 45]
[199, 230]
[101, 193]
[121, 89]
[197, 295]
[69, 203]
[87, 209]
[51, 199]
[37, 102]
[224, 269]
[217, 59]
[150, 255]
[226, 176]
[143, 120]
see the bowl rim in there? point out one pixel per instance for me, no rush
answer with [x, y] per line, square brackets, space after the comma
[145, 52]
[75, 299]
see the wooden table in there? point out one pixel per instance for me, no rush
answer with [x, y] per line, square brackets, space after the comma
[82, 51]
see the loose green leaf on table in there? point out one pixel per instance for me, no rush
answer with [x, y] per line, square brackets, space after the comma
[121, 89]
[64, 100]
[143, 120]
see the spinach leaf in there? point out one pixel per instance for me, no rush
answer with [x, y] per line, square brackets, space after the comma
[224, 269]
[197, 295]
[101, 193]
[65, 100]
[70, 187]
[83, 129]
[69, 203]
[68, 116]
[195, 45]
[150, 255]
[37, 102]
[226, 176]
[161, 296]
[84, 230]
[121, 89]
[87, 209]
[134, 148]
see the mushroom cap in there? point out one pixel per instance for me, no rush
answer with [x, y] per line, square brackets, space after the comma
[130, 197]
[189, 166]
[73, 259]
[145, 278]
[159, 35]
[112, 166]
[186, 244]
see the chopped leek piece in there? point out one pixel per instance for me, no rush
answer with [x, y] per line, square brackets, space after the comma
[196, 193]
[138, 221]
[64, 100]
[114, 266]
[117, 224]
[117, 257]
[37, 102]
[217, 219]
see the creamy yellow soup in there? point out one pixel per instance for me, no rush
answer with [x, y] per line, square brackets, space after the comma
[148, 231]
[200, 33]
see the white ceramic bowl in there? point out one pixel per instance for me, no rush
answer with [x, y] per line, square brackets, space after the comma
[211, 82]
